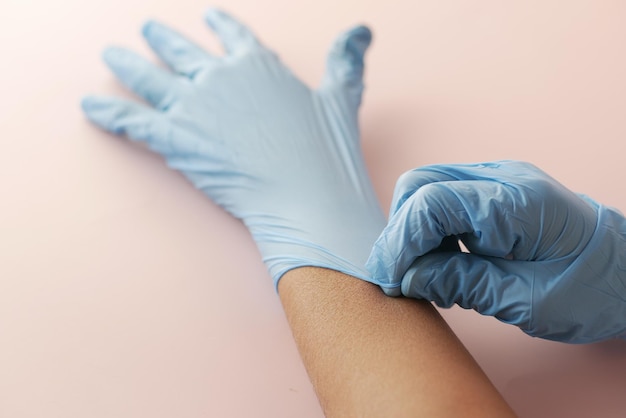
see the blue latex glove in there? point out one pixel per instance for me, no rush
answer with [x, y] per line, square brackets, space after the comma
[541, 257]
[281, 157]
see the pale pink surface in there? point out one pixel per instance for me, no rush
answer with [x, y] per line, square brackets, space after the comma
[126, 293]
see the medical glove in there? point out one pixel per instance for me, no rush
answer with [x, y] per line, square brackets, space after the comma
[541, 257]
[283, 158]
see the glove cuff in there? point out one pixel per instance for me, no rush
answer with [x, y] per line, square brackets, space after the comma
[342, 249]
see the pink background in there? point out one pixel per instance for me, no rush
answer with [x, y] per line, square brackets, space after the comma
[126, 293]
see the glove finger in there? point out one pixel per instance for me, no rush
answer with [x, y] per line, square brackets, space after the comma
[236, 38]
[155, 85]
[503, 171]
[409, 182]
[122, 117]
[181, 55]
[491, 218]
[438, 210]
[448, 245]
[345, 63]
[140, 123]
[489, 285]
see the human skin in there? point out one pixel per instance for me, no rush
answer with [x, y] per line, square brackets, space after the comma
[409, 365]
[359, 366]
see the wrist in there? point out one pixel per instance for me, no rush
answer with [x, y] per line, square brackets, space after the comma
[339, 239]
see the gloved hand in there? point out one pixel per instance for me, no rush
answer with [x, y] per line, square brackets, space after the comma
[281, 157]
[541, 257]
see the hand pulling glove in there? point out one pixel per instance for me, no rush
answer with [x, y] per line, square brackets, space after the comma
[541, 257]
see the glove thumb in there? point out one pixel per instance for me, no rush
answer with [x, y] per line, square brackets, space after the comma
[490, 285]
[345, 65]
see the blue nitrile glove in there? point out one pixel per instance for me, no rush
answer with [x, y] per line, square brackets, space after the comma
[542, 257]
[281, 157]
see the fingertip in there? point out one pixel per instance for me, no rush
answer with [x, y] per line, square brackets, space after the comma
[91, 104]
[118, 116]
[408, 286]
[112, 55]
[155, 33]
[362, 30]
[360, 37]
[345, 63]
[422, 279]
[86, 103]
[97, 110]
[212, 15]
[148, 27]
[393, 292]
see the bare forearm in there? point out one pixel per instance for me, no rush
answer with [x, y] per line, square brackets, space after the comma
[369, 355]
